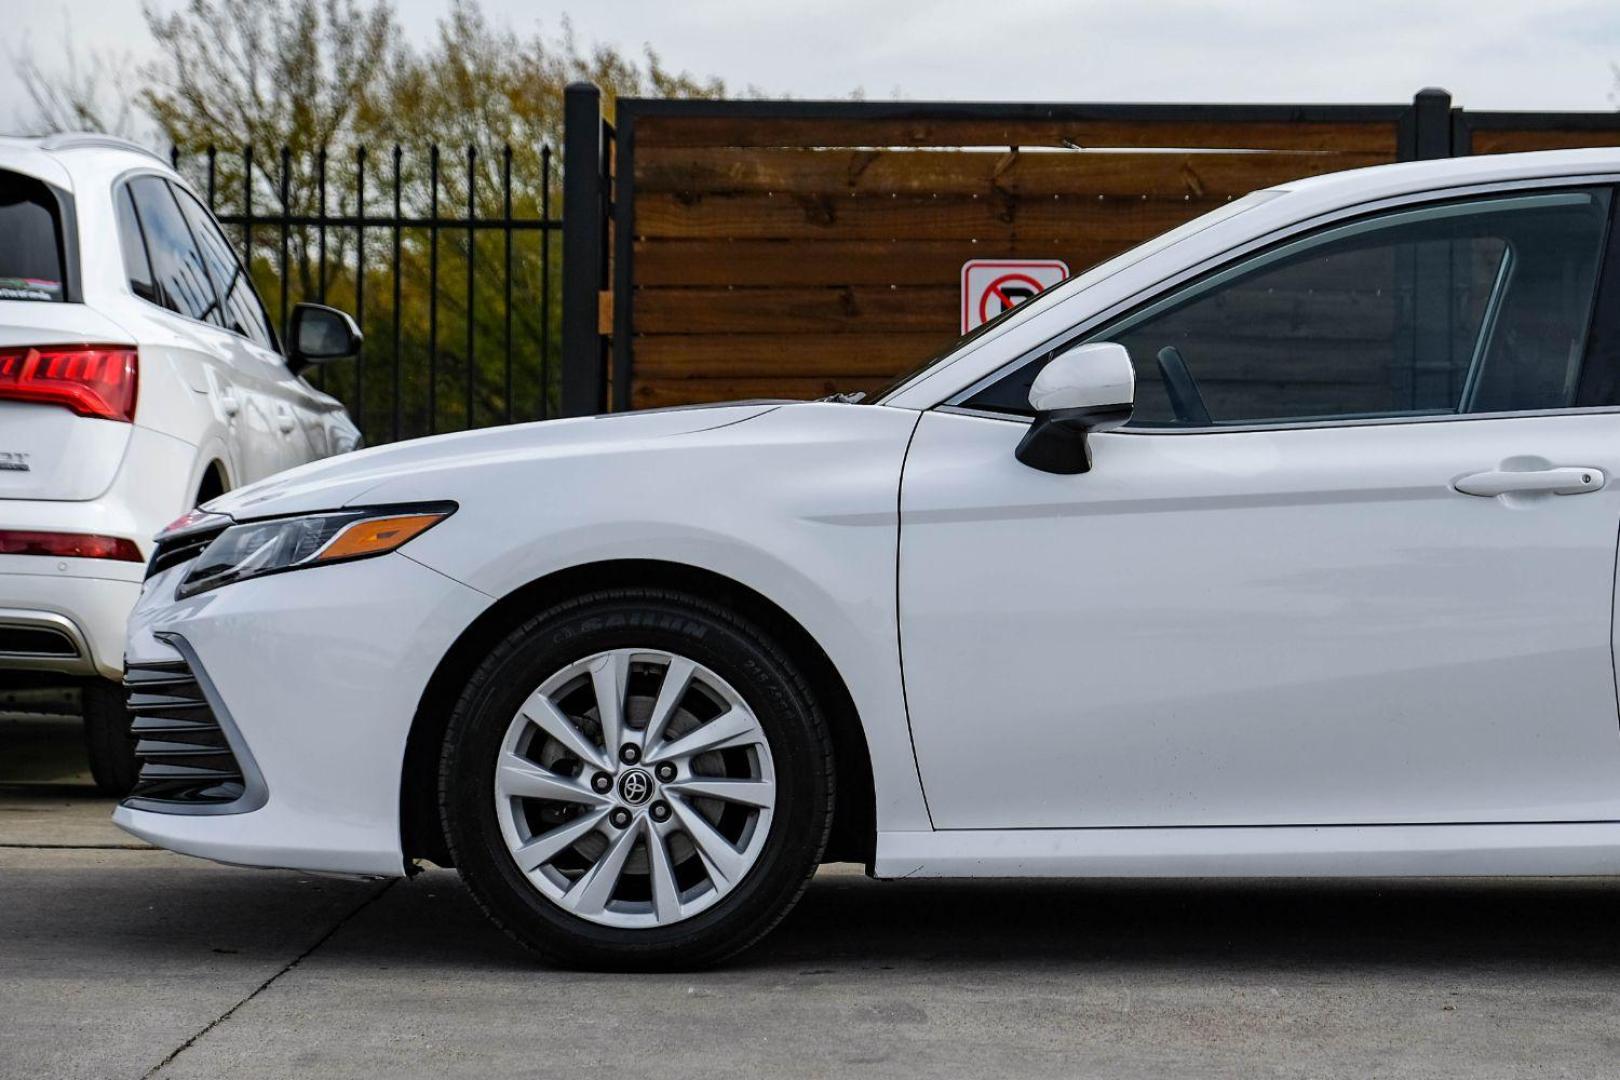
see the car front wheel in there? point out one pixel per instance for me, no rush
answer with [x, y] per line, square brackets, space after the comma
[637, 778]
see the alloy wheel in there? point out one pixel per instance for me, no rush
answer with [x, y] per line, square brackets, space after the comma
[635, 788]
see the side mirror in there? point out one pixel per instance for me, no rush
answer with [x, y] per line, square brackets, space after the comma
[317, 334]
[1089, 388]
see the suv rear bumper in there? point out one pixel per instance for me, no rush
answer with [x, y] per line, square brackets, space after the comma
[64, 620]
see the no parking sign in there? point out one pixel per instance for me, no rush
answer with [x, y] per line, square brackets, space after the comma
[991, 286]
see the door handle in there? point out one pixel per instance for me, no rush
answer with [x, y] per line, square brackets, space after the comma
[228, 403]
[1572, 480]
[285, 419]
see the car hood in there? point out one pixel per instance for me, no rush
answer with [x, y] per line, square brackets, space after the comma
[340, 481]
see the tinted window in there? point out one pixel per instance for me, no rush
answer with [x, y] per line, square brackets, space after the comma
[1446, 309]
[30, 241]
[242, 312]
[182, 279]
[137, 267]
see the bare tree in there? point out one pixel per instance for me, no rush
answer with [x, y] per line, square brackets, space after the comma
[92, 93]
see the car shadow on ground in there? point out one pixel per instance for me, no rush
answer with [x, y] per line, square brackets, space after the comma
[846, 920]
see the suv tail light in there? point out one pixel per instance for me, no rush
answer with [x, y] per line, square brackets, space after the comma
[91, 380]
[69, 545]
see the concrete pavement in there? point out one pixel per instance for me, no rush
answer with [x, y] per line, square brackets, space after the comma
[138, 963]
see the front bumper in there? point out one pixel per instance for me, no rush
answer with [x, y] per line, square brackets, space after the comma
[321, 671]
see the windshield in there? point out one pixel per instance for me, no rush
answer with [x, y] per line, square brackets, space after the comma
[1079, 282]
[30, 241]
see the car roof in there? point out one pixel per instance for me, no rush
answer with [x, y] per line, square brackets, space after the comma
[55, 157]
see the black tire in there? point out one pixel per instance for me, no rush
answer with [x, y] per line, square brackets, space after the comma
[107, 738]
[737, 650]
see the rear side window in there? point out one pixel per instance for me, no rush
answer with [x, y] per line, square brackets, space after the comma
[31, 264]
[137, 266]
[177, 266]
[241, 312]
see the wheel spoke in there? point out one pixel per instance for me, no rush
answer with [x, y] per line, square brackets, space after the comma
[609, 678]
[521, 778]
[540, 711]
[548, 845]
[761, 793]
[677, 677]
[724, 862]
[590, 894]
[666, 894]
[736, 727]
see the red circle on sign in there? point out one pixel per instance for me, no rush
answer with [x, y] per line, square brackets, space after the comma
[994, 289]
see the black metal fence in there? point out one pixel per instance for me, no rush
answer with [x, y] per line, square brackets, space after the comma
[450, 270]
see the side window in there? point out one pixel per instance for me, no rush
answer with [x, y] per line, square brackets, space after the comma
[137, 266]
[1460, 307]
[177, 265]
[241, 312]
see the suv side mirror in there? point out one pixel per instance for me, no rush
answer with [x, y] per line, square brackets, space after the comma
[1089, 388]
[317, 334]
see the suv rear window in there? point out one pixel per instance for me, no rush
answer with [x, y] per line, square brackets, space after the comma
[30, 240]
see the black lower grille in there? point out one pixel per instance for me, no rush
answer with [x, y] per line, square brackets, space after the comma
[184, 756]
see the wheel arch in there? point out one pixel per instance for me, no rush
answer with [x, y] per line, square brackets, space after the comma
[854, 831]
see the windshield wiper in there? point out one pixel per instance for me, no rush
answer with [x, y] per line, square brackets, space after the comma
[853, 397]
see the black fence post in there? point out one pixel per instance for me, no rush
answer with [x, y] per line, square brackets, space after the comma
[584, 248]
[1425, 130]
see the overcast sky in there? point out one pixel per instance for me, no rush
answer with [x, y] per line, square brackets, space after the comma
[1493, 54]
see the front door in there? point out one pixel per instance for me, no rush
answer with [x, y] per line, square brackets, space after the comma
[1353, 562]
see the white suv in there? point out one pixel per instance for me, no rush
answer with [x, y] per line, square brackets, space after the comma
[139, 376]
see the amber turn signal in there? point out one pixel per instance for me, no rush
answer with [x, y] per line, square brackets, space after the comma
[374, 536]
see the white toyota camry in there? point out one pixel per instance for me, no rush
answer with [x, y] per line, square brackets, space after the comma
[1283, 544]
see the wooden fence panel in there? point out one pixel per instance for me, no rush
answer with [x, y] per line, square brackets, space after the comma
[796, 256]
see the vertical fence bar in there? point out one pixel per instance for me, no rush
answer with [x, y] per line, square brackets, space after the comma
[399, 389]
[320, 233]
[213, 201]
[506, 232]
[472, 249]
[360, 285]
[584, 238]
[545, 283]
[433, 290]
[247, 208]
[624, 232]
[286, 217]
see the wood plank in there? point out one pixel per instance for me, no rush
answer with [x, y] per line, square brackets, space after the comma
[1367, 137]
[1511, 141]
[843, 262]
[697, 356]
[1277, 314]
[854, 309]
[858, 217]
[714, 170]
[655, 393]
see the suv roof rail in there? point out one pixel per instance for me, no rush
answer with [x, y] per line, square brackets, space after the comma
[78, 140]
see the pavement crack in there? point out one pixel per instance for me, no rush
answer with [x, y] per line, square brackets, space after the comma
[262, 987]
[76, 847]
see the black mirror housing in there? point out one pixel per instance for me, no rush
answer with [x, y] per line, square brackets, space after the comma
[1056, 441]
[317, 334]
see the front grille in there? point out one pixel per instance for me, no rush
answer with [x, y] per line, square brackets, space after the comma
[180, 549]
[184, 756]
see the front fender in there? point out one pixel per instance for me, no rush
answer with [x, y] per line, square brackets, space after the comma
[798, 504]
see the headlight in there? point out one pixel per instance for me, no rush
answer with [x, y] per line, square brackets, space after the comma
[255, 548]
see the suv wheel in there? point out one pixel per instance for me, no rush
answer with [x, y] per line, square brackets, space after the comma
[107, 738]
[637, 778]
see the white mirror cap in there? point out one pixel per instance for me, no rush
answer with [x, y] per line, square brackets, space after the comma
[1092, 376]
